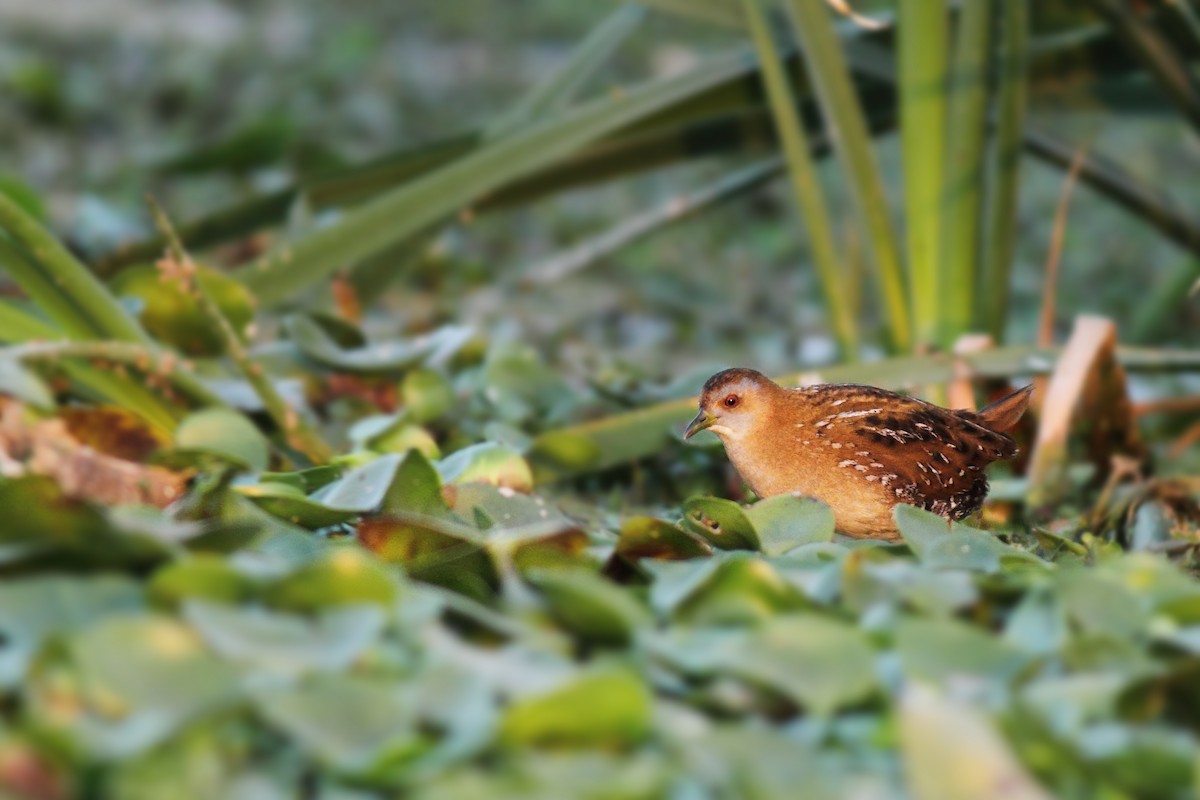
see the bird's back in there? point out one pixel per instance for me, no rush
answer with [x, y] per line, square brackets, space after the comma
[862, 450]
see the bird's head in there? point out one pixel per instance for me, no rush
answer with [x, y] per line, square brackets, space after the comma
[732, 402]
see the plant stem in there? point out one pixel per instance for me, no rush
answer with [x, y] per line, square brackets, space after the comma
[962, 197]
[1005, 161]
[923, 40]
[295, 428]
[850, 137]
[808, 192]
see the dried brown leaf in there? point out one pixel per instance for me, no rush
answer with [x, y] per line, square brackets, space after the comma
[29, 446]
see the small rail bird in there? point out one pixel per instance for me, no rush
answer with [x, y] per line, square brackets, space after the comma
[860, 449]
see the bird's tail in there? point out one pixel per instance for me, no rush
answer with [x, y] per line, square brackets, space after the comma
[1003, 415]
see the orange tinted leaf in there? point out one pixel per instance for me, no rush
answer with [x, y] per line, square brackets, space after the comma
[112, 431]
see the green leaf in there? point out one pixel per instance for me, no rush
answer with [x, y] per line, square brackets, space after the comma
[953, 752]
[440, 552]
[24, 385]
[1099, 604]
[524, 388]
[723, 523]
[416, 488]
[346, 721]
[1038, 624]
[362, 488]
[32, 609]
[488, 462]
[941, 544]
[941, 650]
[562, 450]
[589, 606]
[136, 680]
[849, 135]
[171, 313]
[202, 576]
[607, 707]
[226, 434]
[411, 207]
[962, 206]
[289, 503]
[47, 271]
[23, 195]
[1004, 162]
[739, 590]
[923, 53]
[647, 537]
[784, 522]
[393, 433]
[426, 395]
[343, 575]
[391, 356]
[287, 643]
[819, 663]
[53, 529]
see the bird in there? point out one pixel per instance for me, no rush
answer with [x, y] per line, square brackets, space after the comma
[859, 449]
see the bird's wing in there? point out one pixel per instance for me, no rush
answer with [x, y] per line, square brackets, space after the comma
[929, 456]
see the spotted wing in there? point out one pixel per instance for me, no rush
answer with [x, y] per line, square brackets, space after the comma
[928, 456]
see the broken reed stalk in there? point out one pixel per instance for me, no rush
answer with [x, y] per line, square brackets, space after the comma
[1054, 256]
[295, 428]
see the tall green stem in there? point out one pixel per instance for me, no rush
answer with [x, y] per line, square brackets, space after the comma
[962, 198]
[809, 196]
[1005, 158]
[295, 428]
[922, 29]
[851, 140]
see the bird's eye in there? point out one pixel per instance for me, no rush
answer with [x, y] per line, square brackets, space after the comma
[731, 401]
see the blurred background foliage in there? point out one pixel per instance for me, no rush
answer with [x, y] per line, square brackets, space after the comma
[384, 492]
[246, 100]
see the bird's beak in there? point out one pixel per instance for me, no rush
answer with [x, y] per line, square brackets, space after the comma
[703, 421]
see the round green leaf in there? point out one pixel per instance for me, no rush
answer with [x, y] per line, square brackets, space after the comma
[488, 462]
[426, 395]
[784, 522]
[226, 434]
[608, 707]
[588, 605]
[722, 522]
[647, 537]
[286, 502]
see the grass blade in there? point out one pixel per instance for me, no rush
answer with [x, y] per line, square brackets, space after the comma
[560, 87]
[393, 216]
[674, 210]
[40, 288]
[18, 325]
[962, 199]
[1164, 62]
[849, 134]
[702, 124]
[94, 307]
[922, 29]
[1005, 160]
[715, 12]
[1111, 180]
[809, 197]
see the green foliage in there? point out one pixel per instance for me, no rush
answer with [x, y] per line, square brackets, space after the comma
[382, 683]
[436, 610]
